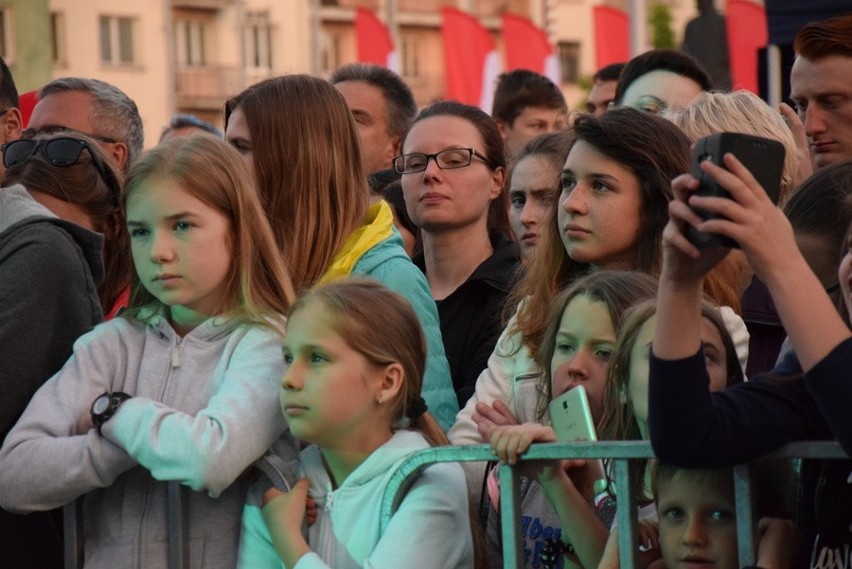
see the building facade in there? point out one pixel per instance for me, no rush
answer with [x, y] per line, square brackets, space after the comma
[188, 56]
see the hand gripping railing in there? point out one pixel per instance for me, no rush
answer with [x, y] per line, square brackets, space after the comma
[620, 453]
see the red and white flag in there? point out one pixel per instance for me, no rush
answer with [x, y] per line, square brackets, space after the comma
[612, 36]
[375, 44]
[747, 29]
[528, 47]
[470, 59]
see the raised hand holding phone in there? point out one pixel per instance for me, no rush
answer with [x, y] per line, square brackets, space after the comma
[762, 157]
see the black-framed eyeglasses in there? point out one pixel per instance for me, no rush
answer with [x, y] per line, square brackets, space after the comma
[448, 159]
[62, 151]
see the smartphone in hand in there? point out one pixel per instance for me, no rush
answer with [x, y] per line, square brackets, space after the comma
[763, 157]
[571, 416]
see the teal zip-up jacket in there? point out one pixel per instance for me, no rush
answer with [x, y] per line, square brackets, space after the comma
[377, 252]
[430, 530]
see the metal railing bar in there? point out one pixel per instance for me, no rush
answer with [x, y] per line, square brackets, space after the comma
[744, 504]
[72, 529]
[625, 501]
[620, 452]
[510, 516]
[178, 525]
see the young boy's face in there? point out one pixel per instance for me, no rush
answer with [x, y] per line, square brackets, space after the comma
[532, 122]
[698, 528]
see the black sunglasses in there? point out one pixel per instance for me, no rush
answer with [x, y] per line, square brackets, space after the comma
[63, 152]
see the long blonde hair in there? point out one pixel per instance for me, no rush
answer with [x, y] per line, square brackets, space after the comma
[206, 167]
[307, 164]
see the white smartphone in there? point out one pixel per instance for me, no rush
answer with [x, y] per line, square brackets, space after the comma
[571, 416]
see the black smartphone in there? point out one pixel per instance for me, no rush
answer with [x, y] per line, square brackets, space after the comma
[763, 157]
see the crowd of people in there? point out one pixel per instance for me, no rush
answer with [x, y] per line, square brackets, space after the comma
[278, 314]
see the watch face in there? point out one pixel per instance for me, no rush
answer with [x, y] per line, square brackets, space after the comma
[101, 404]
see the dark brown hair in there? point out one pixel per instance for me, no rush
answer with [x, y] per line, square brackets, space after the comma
[516, 90]
[671, 60]
[656, 151]
[498, 211]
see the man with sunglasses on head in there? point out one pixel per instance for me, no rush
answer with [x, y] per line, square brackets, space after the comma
[50, 262]
[10, 116]
[92, 107]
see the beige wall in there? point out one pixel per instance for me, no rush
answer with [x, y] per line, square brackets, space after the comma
[148, 81]
[160, 86]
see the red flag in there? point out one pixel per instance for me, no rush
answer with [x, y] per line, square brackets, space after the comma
[747, 32]
[470, 59]
[612, 35]
[26, 103]
[527, 47]
[374, 41]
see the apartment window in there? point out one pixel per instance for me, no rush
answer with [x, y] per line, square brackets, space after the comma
[257, 48]
[332, 50]
[117, 40]
[6, 42]
[58, 39]
[569, 61]
[191, 38]
[409, 56]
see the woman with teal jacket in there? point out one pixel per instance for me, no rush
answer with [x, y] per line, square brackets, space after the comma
[301, 144]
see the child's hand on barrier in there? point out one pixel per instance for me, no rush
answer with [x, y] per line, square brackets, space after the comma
[489, 417]
[510, 442]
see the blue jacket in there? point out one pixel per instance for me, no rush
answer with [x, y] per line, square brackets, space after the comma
[388, 263]
[375, 250]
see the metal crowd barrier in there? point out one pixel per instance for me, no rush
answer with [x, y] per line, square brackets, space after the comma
[620, 453]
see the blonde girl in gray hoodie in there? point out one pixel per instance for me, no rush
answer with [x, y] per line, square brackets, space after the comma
[182, 386]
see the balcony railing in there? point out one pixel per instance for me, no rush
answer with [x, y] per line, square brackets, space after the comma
[207, 87]
[203, 4]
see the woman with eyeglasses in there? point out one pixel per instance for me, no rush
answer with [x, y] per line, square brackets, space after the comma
[453, 169]
[301, 144]
[56, 194]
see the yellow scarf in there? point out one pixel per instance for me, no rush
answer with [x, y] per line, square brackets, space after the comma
[379, 226]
